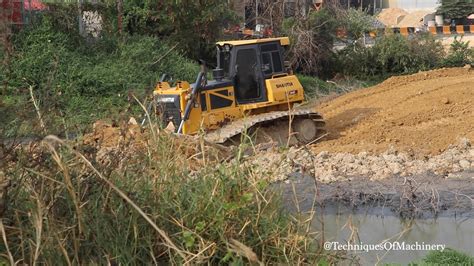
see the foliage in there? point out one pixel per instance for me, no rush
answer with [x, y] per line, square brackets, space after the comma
[79, 81]
[448, 257]
[391, 54]
[65, 210]
[460, 54]
[456, 9]
[357, 22]
[194, 25]
[312, 40]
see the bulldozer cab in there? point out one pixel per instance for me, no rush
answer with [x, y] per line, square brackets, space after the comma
[250, 79]
[248, 63]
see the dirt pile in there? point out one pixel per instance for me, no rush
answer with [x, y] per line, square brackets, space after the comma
[116, 146]
[390, 16]
[414, 19]
[420, 115]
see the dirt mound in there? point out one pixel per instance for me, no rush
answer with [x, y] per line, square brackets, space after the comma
[414, 19]
[389, 16]
[421, 114]
[119, 145]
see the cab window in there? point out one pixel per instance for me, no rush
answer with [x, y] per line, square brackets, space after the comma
[246, 79]
[271, 59]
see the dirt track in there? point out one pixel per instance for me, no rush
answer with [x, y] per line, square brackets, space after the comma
[421, 114]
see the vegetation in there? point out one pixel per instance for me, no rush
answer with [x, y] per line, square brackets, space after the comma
[357, 23]
[395, 54]
[76, 82]
[460, 54]
[312, 40]
[456, 9]
[194, 25]
[446, 257]
[119, 205]
[80, 203]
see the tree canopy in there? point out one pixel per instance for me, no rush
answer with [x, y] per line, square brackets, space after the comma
[456, 9]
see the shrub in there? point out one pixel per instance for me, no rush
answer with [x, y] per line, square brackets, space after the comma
[77, 82]
[397, 54]
[448, 257]
[357, 22]
[312, 41]
[391, 54]
[315, 87]
[460, 54]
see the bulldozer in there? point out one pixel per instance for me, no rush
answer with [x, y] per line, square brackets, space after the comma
[252, 87]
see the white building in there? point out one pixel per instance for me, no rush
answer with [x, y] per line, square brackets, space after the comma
[411, 5]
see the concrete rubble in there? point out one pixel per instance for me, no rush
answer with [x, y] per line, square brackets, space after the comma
[328, 167]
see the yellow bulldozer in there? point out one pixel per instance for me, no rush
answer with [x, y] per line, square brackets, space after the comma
[252, 87]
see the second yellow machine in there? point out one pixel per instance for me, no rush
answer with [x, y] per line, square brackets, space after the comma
[252, 88]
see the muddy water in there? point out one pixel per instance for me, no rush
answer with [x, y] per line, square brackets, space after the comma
[356, 227]
[343, 215]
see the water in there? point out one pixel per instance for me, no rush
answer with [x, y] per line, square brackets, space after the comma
[344, 226]
[375, 222]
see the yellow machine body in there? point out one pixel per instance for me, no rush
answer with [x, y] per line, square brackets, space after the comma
[222, 101]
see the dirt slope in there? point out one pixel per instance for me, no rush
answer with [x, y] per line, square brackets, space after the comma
[422, 113]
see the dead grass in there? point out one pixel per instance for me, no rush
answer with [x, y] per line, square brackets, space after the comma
[157, 199]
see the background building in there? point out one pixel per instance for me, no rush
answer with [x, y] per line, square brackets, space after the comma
[411, 4]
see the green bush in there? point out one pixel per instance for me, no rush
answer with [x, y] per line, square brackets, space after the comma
[460, 54]
[312, 39]
[315, 87]
[448, 257]
[391, 55]
[79, 81]
[357, 23]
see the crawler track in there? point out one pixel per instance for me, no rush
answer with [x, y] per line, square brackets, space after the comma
[237, 127]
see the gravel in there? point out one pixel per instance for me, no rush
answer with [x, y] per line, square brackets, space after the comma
[276, 164]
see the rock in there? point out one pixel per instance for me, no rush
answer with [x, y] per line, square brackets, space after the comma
[348, 158]
[467, 66]
[362, 155]
[323, 155]
[132, 121]
[327, 178]
[465, 164]
[451, 175]
[465, 143]
[291, 155]
[364, 171]
[456, 168]
[395, 167]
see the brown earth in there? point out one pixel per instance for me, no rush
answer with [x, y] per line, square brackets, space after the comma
[421, 114]
[389, 16]
[114, 143]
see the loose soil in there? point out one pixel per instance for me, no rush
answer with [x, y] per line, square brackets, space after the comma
[420, 114]
[389, 16]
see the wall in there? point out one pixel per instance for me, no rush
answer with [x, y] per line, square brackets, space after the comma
[411, 4]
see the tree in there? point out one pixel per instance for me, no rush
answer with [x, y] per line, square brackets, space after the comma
[194, 25]
[456, 9]
[312, 40]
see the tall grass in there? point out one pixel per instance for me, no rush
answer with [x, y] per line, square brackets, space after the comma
[155, 200]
